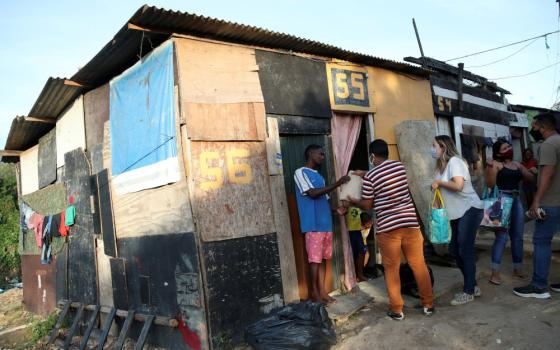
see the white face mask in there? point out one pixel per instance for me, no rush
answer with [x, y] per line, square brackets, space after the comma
[434, 153]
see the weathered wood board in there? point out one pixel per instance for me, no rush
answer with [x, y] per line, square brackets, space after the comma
[106, 214]
[293, 85]
[96, 113]
[225, 121]
[231, 193]
[159, 210]
[216, 73]
[29, 161]
[104, 275]
[39, 294]
[70, 130]
[47, 159]
[82, 280]
[243, 284]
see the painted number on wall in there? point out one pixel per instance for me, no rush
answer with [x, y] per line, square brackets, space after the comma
[444, 104]
[349, 87]
[237, 171]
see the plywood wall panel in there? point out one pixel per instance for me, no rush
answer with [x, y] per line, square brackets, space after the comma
[96, 113]
[216, 73]
[47, 159]
[70, 130]
[231, 193]
[29, 161]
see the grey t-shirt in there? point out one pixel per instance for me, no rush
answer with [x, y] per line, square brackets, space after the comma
[457, 203]
[549, 154]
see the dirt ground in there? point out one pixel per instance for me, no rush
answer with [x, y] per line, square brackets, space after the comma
[496, 320]
[12, 316]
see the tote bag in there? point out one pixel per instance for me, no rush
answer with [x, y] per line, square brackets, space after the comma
[439, 221]
[497, 210]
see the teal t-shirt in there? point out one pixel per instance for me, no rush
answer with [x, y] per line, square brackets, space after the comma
[69, 216]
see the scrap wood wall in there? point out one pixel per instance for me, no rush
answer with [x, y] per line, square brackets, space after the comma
[246, 263]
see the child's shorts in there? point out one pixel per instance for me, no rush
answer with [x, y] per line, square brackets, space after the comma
[318, 246]
[357, 243]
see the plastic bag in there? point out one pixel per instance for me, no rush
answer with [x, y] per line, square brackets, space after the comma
[497, 210]
[439, 221]
[304, 325]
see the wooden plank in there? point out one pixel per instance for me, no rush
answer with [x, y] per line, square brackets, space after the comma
[296, 125]
[118, 277]
[106, 328]
[29, 161]
[106, 214]
[8, 153]
[284, 236]
[74, 327]
[144, 333]
[47, 159]
[90, 324]
[293, 85]
[96, 113]
[168, 206]
[59, 321]
[243, 283]
[124, 330]
[273, 151]
[82, 275]
[238, 121]
[94, 199]
[104, 275]
[40, 120]
[70, 130]
[216, 73]
[231, 195]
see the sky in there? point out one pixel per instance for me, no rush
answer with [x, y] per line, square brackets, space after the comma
[54, 38]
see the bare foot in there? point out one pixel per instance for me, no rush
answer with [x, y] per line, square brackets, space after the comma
[328, 299]
[495, 278]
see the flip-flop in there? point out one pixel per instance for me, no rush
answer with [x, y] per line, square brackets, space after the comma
[497, 283]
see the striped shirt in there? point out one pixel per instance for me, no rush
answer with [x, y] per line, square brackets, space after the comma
[387, 185]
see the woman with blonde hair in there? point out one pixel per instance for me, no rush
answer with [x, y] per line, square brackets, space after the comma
[464, 209]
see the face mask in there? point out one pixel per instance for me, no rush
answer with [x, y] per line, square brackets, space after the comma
[434, 153]
[507, 154]
[371, 159]
[537, 135]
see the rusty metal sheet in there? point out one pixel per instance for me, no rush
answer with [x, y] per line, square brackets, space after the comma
[230, 189]
[39, 284]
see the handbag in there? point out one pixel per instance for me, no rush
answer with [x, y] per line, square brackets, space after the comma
[497, 210]
[439, 221]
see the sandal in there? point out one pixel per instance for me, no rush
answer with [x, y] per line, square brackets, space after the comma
[495, 282]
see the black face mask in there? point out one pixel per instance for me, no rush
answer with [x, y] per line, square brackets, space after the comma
[537, 135]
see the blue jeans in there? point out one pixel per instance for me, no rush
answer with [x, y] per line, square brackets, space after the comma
[463, 235]
[515, 232]
[542, 238]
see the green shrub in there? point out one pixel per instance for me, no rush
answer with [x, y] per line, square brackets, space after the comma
[41, 328]
[9, 223]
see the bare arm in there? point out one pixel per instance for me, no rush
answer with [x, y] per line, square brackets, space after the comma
[547, 174]
[491, 173]
[318, 192]
[456, 184]
[364, 204]
[527, 175]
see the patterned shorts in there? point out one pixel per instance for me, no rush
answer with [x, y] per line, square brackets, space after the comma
[318, 246]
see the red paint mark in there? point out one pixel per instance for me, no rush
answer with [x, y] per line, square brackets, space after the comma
[189, 337]
[71, 199]
[229, 209]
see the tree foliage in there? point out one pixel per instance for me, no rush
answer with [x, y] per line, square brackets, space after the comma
[9, 223]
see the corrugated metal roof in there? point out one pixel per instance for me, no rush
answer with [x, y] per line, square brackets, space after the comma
[23, 135]
[55, 96]
[124, 49]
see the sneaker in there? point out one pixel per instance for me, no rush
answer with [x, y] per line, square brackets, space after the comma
[531, 291]
[555, 287]
[395, 316]
[477, 292]
[462, 298]
[428, 311]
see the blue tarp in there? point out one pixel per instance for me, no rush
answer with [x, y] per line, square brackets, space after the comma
[142, 124]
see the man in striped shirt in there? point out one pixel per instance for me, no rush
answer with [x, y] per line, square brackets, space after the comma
[385, 189]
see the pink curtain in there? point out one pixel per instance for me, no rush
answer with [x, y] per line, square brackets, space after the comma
[345, 130]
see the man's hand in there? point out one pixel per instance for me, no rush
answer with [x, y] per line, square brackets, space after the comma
[343, 180]
[534, 210]
[341, 210]
[436, 184]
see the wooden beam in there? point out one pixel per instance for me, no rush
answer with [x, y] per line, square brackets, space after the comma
[8, 153]
[41, 120]
[69, 82]
[131, 26]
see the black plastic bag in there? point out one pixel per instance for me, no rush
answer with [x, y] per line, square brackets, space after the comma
[304, 325]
